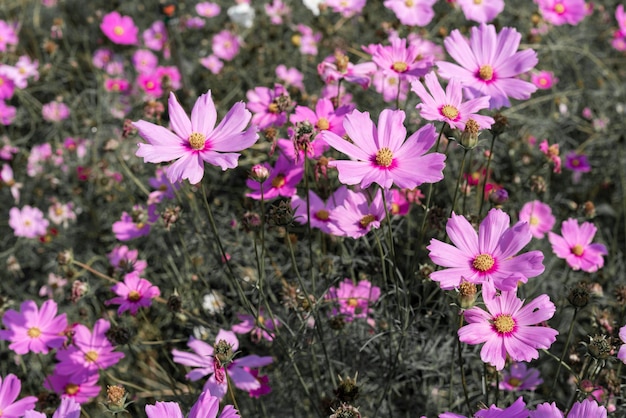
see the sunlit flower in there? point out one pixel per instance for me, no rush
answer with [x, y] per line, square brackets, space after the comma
[133, 293]
[576, 248]
[412, 12]
[560, 12]
[539, 217]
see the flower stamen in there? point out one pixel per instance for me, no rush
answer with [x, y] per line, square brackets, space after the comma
[486, 72]
[483, 262]
[449, 111]
[504, 323]
[384, 157]
[197, 140]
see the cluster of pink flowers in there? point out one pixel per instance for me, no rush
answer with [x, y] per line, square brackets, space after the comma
[585, 409]
[351, 301]
[207, 406]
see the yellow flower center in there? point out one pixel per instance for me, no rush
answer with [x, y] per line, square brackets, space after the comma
[27, 222]
[395, 208]
[504, 323]
[273, 108]
[515, 382]
[478, 1]
[578, 250]
[559, 8]
[91, 356]
[483, 262]
[261, 320]
[486, 72]
[543, 81]
[533, 220]
[33, 332]
[134, 296]
[384, 157]
[71, 389]
[399, 66]
[322, 215]
[1, 81]
[197, 140]
[149, 85]
[366, 220]
[449, 111]
[278, 181]
[353, 302]
[408, 3]
[118, 30]
[322, 124]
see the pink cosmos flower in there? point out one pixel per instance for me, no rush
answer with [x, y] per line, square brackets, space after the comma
[225, 45]
[89, 352]
[276, 11]
[119, 29]
[488, 257]
[324, 118]
[61, 213]
[80, 388]
[169, 76]
[412, 12]
[552, 152]
[101, 57]
[322, 213]
[347, 8]
[282, 181]
[55, 111]
[8, 36]
[10, 388]
[136, 224]
[150, 83]
[268, 105]
[155, 37]
[544, 80]
[338, 67]
[489, 64]
[516, 410]
[212, 63]
[481, 11]
[578, 163]
[576, 248]
[27, 222]
[507, 328]
[39, 154]
[585, 409]
[7, 113]
[448, 106]
[196, 140]
[381, 155]
[116, 85]
[353, 301]
[7, 179]
[539, 217]
[400, 59]
[125, 260]
[68, 408]
[520, 377]
[619, 40]
[356, 215]
[560, 12]
[263, 381]
[133, 293]
[202, 358]
[388, 85]
[620, 17]
[208, 9]
[32, 329]
[622, 350]
[252, 325]
[290, 76]
[145, 61]
[307, 43]
[207, 406]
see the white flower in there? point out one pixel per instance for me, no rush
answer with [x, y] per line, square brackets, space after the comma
[242, 14]
[313, 5]
[213, 303]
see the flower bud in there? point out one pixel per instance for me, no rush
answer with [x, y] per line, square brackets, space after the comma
[467, 294]
[469, 137]
[599, 347]
[259, 173]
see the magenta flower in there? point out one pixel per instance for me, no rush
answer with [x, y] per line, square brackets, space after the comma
[7, 85]
[507, 328]
[9, 391]
[7, 113]
[196, 140]
[202, 359]
[268, 105]
[576, 248]
[282, 181]
[622, 350]
[412, 12]
[155, 37]
[560, 12]
[145, 61]
[352, 301]
[578, 163]
[539, 217]
[80, 388]
[322, 213]
[347, 8]
[337, 67]
[68, 408]
[119, 29]
[89, 352]
[252, 325]
[136, 224]
[544, 80]
[516, 410]
[356, 215]
[381, 155]
[212, 63]
[290, 76]
[489, 64]
[399, 59]
[481, 11]
[133, 293]
[207, 406]
[225, 45]
[308, 40]
[324, 118]
[520, 377]
[8, 36]
[586, 409]
[27, 222]
[55, 111]
[390, 86]
[448, 106]
[487, 257]
[33, 329]
[208, 9]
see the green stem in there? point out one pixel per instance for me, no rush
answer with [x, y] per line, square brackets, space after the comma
[569, 338]
[458, 182]
[462, 370]
[482, 196]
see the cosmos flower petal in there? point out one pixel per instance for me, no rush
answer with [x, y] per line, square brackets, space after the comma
[178, 118]
[204, 115]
